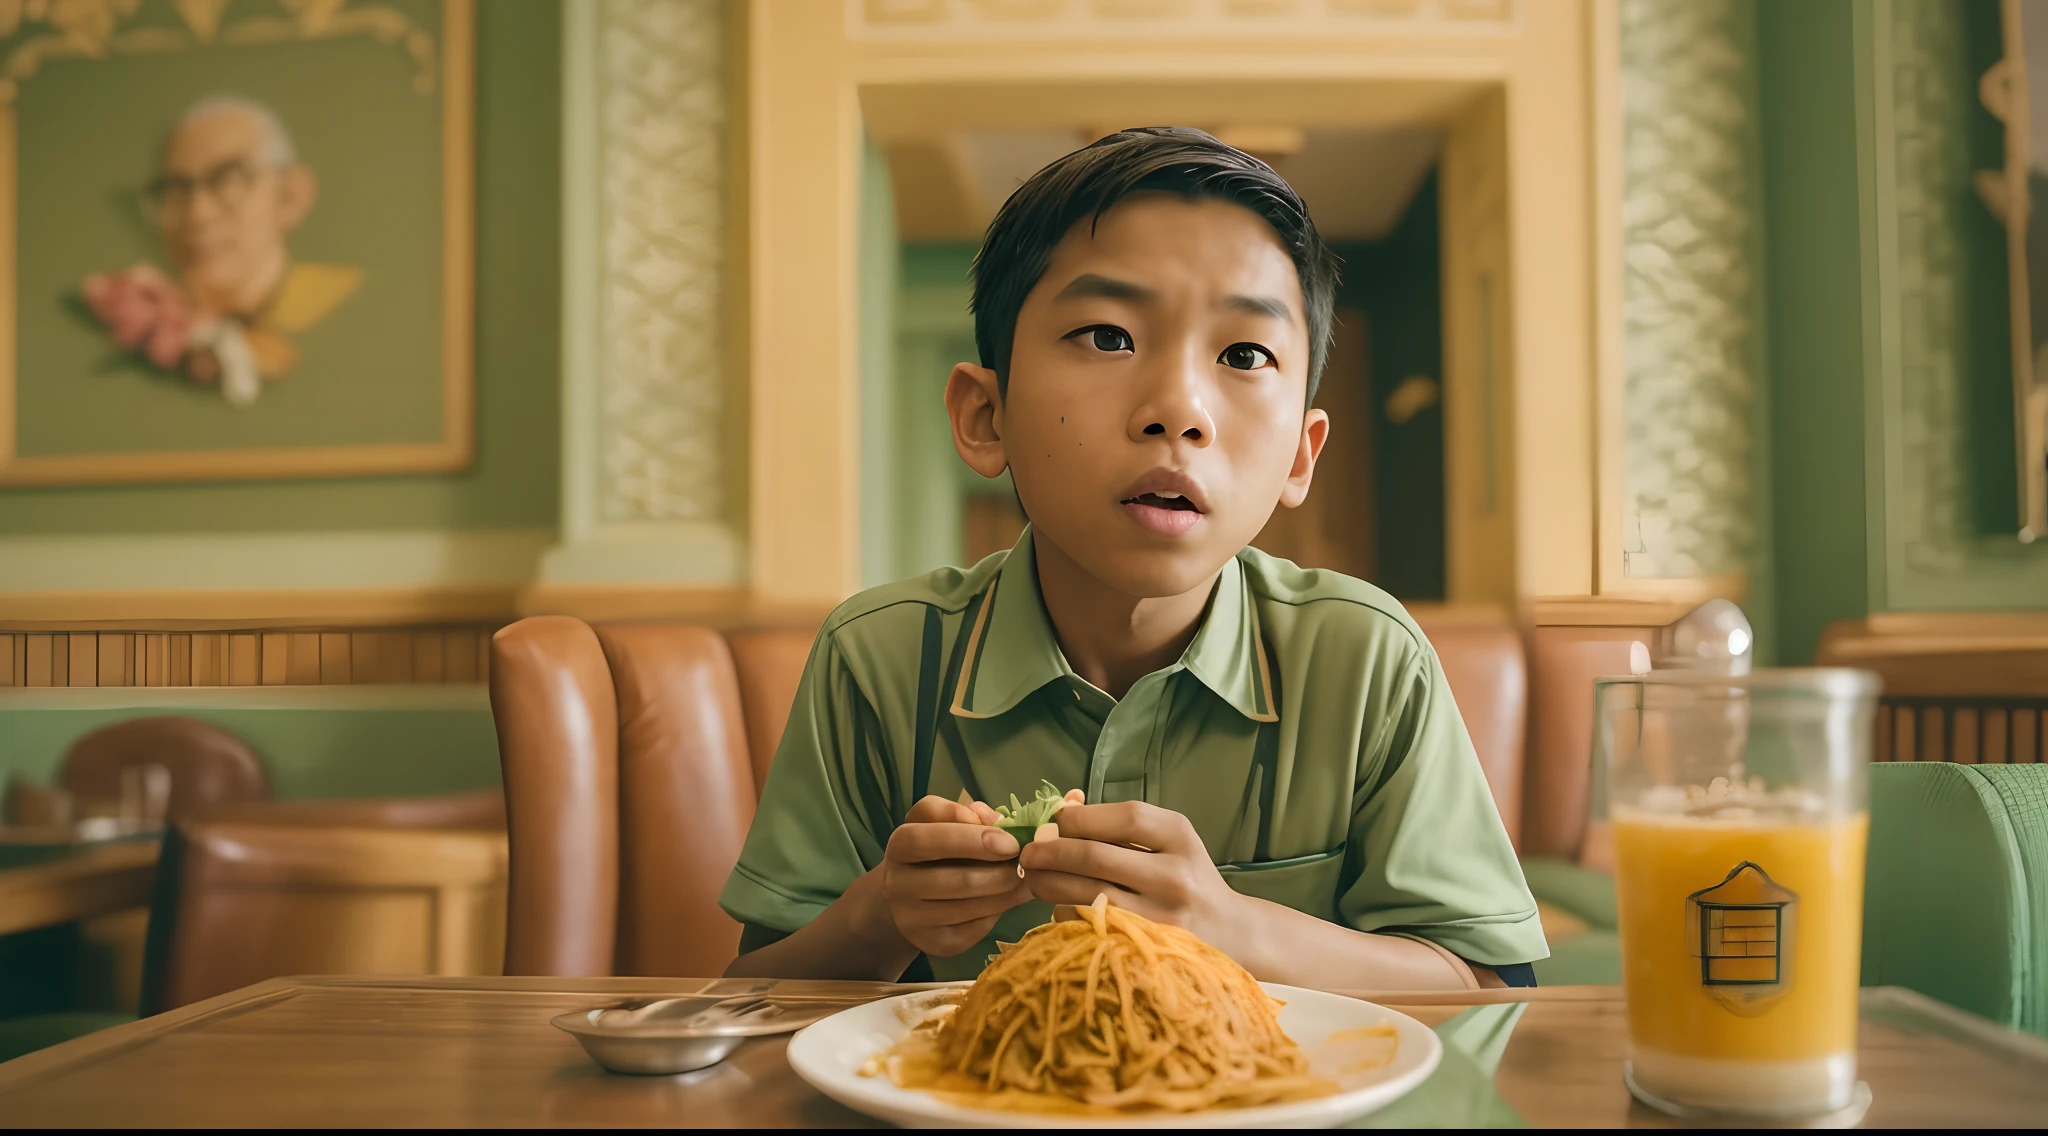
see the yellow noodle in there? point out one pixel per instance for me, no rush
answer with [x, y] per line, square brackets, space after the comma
[1104, 1014]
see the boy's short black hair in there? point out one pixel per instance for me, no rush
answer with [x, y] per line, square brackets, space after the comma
[1087, 182]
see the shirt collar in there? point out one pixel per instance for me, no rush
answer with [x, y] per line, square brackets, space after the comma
[1013, 650]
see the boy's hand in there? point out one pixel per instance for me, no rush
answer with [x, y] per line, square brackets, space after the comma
[1104, 848]
[948, 875]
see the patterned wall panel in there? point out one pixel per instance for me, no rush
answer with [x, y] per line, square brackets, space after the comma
[927, 20]
[1690, 280]
[1931, 97]
[663, 153]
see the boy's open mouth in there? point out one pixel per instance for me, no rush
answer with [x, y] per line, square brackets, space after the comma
[1167, 514]
[1162, 501]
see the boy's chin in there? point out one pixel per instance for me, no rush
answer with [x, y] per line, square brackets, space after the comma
[1152, 572]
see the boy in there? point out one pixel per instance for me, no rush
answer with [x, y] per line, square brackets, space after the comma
[1270, 756]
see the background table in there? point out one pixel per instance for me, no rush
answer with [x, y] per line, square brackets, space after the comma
[77, 885]
[480, 1051]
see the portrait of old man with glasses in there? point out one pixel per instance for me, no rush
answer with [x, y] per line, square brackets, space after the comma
[229, 191]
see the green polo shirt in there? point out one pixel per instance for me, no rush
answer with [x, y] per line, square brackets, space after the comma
[1307, 731]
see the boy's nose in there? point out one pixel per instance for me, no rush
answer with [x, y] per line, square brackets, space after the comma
[1193, 433]
[1175, 410]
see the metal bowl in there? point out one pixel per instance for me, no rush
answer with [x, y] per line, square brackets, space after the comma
[677, 1035]
[645, 1055]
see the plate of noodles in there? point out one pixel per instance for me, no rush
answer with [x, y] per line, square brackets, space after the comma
[1106, 1019]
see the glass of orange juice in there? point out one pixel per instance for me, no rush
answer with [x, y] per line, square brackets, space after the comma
[1739, 807]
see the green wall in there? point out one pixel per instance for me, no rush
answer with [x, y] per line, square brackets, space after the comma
[317, 742]
[879, 505]
[1814, 266]
[914, 485]
[1890, 374]
[1944, 512]
[514, 480]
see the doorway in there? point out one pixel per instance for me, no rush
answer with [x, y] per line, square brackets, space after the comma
[1376, 510]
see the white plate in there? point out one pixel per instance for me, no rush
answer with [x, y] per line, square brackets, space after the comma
[829, 1055]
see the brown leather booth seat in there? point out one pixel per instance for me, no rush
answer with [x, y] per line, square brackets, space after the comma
[207, 765]
[634, 756]
[257, 890]
[633, 759]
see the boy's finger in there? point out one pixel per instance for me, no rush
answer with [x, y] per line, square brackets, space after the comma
[982, 812]
[1065, 887]
[1130, 823]
[1137, 871]
[951, 840]
[939, 810]
[957, 912]
[951, 880]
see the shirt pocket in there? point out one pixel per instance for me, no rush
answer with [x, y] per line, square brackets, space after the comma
[1305, 883]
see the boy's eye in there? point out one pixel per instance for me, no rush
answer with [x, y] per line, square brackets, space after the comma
[1105, 337]
[1246, 357]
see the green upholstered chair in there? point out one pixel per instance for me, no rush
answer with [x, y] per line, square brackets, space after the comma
[1955, 900]
[1589, 956]
[1956, 904]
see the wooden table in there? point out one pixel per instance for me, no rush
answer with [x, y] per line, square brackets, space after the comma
[479, 1051]
[76, 886]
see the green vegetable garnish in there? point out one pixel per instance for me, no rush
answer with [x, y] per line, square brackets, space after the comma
[1017, 816]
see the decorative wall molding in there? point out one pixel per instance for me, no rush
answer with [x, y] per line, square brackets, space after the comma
[647, 476]
[246, 658]
[230, 562]
[1932, 94]
[926, 21]
[1940, 266]
[94, 29]
[1607, 611]
[1689, 287]
[662, 101]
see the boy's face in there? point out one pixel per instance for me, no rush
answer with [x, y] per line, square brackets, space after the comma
[1154, 414]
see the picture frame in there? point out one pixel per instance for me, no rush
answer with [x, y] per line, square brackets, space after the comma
[2013, 194]
[333, 336]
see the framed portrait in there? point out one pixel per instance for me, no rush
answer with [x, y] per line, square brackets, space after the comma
[2015, 91]
[236, 239]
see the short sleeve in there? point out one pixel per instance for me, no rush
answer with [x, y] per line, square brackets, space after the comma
[1430, 855]
[824, 817]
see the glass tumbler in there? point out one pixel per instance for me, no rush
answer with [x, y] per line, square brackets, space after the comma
[1740, 811]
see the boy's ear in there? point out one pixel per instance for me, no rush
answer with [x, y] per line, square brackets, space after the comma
[1315, 430]
[977, 414]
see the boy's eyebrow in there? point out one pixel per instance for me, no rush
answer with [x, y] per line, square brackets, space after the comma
[1260, 306]
[1089, 284]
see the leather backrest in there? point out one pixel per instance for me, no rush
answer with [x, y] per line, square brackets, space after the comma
[771, 664]
[239, 901]
[558, 738]
[481, 809]
[1484, 664]
[686, 796]
[1564, 661]
[207, 764]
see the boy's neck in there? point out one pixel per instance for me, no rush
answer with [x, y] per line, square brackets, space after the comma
[1112, 639]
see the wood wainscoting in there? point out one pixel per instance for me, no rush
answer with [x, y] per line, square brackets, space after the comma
[1969, 687]
[1973, 731]
[265, 657]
